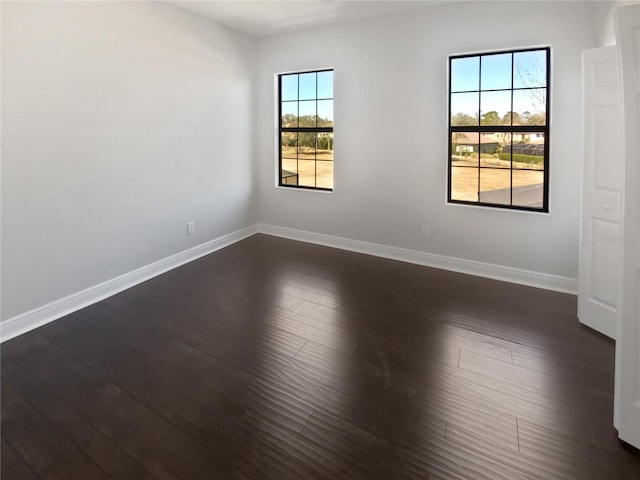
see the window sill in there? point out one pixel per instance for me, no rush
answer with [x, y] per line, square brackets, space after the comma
[496, 209]
[302, 189]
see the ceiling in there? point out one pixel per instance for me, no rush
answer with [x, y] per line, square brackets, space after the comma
[266, 17]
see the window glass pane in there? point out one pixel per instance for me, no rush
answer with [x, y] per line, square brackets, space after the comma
[527, 150]
[288, 158]
[307, 86]
[288, 144]
[464, 184]
[530, 69]
[531, 106]
[308, 113]
[495, 71]
[502, 156]
[325, 84]
[324, 157]
[465, 148]
[324, 178]
[289, 87]
[495, 108]
[289, 114]
[464, 109]
[465, 74]
[307, 173]
[307, 146]
[324, 147]
[528, 188]
[495, 186]
[491, 146]
[307, 159]
[289, 174]
[325, 113]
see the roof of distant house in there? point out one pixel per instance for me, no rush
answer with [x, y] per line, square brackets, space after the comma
[472, 138]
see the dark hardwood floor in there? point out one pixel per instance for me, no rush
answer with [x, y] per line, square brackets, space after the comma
[274, 359]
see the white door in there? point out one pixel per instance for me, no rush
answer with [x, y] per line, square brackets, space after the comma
[600, 246]
[627, 394]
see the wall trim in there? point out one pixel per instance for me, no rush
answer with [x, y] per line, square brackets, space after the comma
[488, 270]
[37, 317]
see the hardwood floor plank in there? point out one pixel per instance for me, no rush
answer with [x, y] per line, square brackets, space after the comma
[277, 359]
[40, 444]
[183, 378]
[503, 371]
[527, 404]
[161, 448]
[79, 467]
[37, 389]
[69, 380]
[524, 465]
[571, 458]
[12, 465]
[427, 443]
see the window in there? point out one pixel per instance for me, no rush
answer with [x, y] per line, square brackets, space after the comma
[305, 157]
[499, 129]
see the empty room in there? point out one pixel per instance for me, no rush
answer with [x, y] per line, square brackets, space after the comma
[320, 240]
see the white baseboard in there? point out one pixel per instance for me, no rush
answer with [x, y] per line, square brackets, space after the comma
[37, 317]
[497, 272]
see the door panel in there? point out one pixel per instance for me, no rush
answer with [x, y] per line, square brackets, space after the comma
[627, 391]
[607, 149]
[600, 247]
[603, 290]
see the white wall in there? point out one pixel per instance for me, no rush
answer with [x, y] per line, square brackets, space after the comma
[605, 24]
[391, 132]
[120, 123]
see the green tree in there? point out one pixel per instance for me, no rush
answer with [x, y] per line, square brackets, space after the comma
[511, 116]
[306, 141]
[289, 120]
[325, 142]
[463, 119]
[307, 121]
[537, 119]
[289, 139]
[490, 118]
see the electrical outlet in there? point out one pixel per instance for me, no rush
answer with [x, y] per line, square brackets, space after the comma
[191, 227]
[426, 230]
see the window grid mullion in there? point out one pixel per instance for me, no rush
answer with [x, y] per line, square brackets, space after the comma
[479, 122]
[511, 139]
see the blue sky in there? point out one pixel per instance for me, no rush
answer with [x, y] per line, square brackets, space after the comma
[302, 87]
[467, 78]
[495, 73]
